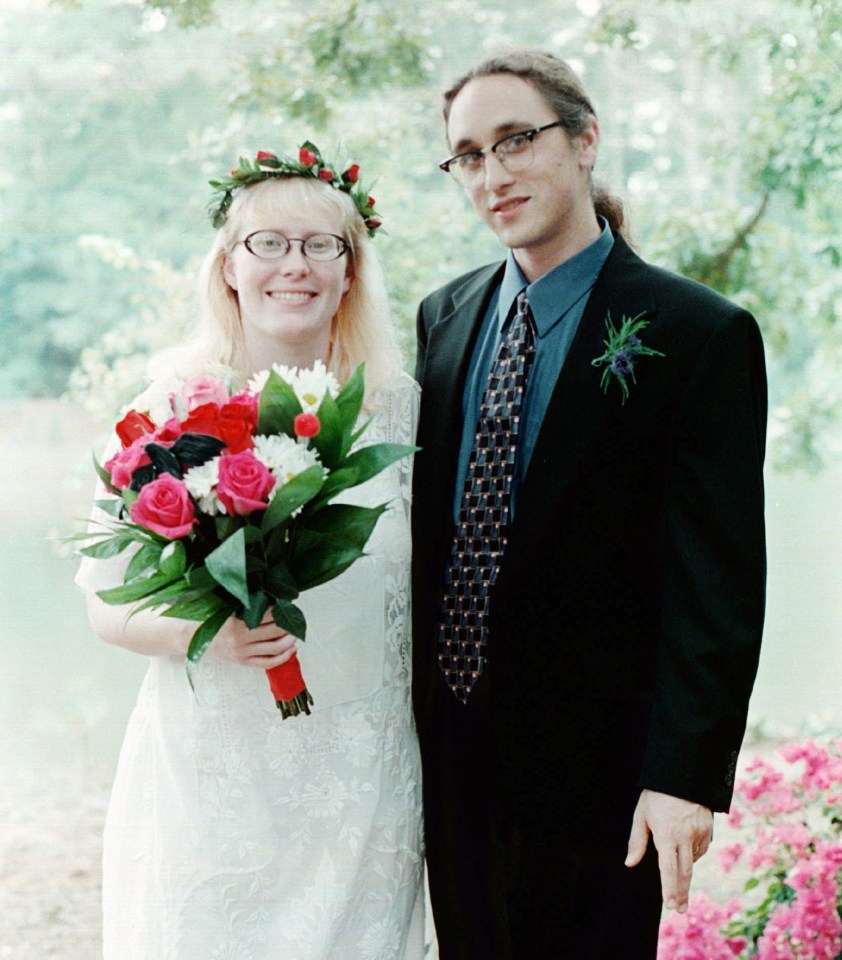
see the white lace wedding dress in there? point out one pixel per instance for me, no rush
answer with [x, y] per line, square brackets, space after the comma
[235, 835]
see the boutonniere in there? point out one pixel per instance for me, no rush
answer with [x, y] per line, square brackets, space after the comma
[623, 347]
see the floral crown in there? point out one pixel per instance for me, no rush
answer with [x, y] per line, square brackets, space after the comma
[310, 163]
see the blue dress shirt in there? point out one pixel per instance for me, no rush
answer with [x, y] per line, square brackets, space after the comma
[557, 300]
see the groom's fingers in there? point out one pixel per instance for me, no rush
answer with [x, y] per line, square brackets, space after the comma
[668, 866]
[676, 866]
[638, 838]
[681, 833]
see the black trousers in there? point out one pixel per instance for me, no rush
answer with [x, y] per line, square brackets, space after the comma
[503, 886]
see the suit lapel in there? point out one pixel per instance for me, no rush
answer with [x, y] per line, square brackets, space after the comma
[449, 346]
[578, 410]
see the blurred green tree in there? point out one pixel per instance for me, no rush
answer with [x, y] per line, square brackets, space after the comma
[721, 127]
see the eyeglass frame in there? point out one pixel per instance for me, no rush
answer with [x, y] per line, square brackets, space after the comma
[344, 246]
[483, 152]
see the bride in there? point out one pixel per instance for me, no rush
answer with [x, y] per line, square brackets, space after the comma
[231, 834]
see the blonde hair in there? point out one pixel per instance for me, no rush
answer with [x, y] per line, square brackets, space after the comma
[361, 331]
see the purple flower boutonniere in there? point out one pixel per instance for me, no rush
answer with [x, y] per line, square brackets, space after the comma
[623, 347]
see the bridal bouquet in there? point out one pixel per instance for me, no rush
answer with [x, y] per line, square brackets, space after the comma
[227, 501]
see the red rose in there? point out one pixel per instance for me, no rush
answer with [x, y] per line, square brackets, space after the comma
[244, 483]
[132, 426]
[164, 506]
[306, 425]
[371, 201]
[352, 174]
[307, 157]
[202, 419]
[248, 398]
[326, 175]
[236, 424]
[266, 155]
[373, 223]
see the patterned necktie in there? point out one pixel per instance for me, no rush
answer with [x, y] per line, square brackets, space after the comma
[480, 535]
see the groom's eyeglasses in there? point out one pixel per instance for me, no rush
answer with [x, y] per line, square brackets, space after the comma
[514, 153]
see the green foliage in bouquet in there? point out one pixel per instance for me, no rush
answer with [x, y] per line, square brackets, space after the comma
[247, 565]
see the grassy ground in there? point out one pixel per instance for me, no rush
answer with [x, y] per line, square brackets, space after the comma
[50, 877]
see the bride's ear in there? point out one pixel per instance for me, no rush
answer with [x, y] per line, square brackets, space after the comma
[229, 272]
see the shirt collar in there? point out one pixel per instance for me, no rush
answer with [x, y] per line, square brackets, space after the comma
[554, 294]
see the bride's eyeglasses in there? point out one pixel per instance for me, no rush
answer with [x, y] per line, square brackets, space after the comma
[271, 245]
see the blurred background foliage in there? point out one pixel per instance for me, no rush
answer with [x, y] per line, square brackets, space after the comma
[722, 129]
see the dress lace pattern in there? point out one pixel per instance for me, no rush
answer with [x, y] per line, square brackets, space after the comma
[234, 835]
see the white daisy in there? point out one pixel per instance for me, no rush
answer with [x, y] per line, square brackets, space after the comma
[284, 457]
[311, 385]
[258, 381]
[201, 482]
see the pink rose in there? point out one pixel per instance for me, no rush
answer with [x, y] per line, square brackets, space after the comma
[203, 389]
[244, 483]
[167, 434]
[164, 506]
[124, 463]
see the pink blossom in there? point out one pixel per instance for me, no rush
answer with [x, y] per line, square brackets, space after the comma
[821, 769]
[764, 853]
[730, 855]
[750, 790]
[203, 389]
[796, 836]
[696, 935]
[124, 463]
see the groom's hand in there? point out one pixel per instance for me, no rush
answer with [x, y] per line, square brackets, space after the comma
[681, 831]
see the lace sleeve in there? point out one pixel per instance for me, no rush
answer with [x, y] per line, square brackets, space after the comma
[402, 419]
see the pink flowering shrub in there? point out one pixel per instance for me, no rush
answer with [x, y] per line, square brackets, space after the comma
[697, 934]
[788, 818]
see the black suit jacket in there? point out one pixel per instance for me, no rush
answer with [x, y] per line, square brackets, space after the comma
[626, 621]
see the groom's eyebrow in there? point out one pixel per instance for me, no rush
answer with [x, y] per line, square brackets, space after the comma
[501, 130]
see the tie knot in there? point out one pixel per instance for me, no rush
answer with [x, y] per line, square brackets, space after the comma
[522, 304]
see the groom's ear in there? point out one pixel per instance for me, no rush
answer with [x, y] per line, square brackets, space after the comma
[587, 143]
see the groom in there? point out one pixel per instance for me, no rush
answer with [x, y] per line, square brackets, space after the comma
[589, 557]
